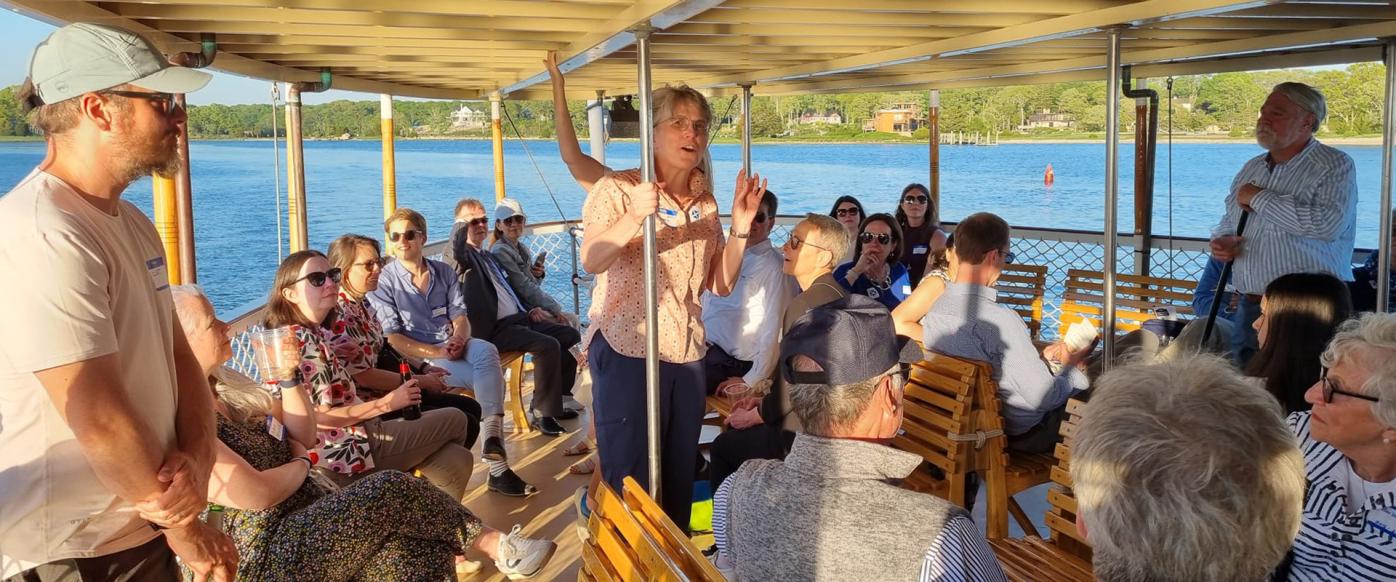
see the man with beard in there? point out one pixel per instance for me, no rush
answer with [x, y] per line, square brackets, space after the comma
[107, 438]
[1302, 199]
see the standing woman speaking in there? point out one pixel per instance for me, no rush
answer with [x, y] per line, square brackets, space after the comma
[693, 256]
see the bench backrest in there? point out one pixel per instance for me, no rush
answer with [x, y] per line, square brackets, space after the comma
[1061, 513]
[677, 546]
[936, 406]
[1135, 298]
[1021, 288]
[619, 547]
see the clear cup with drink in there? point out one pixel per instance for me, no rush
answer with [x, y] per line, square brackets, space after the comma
[734, 392]
[277, 355]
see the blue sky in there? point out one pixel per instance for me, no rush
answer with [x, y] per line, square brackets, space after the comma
[22, 34]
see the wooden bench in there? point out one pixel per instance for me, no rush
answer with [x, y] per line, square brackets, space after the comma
[636, 542]
[1021, 288]
[951, 419]
[1066, 555]
[1135, 298]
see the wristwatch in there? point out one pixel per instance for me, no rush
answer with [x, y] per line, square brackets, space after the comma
[736, 234]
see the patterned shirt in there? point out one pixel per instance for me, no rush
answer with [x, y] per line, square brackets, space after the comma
[342, 450]
[1334, 544]
[361, 340]
[1304, 218]
[689, 239]
[424, 317]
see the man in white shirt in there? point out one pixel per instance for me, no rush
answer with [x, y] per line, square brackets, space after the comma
[108, 436]
[743, 328]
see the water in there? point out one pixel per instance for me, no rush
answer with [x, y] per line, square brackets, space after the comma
[236, 217]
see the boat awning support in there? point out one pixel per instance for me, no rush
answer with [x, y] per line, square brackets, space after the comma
[295, 160]
[1112, 152]
[173, 196]
[497, 139]
[596, 126]
[1388, 141]
[933, 141]
[385, 115]
[746, 128]
[647, 174]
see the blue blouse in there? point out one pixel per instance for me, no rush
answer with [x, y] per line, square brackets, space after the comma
[401, 308]
[890, 296]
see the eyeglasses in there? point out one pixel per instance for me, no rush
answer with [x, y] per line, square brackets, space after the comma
[1008, 257]
[407, 235]
[684, 124]
[796, 242]
[1329, 390]
[851, 211]
[512, 220]
[880, 237]
[317, 279]
[760, 218]
[481, 221]
[165, 102]
[916, 199]
[370, 265]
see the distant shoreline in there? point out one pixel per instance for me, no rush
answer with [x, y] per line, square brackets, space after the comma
[1365, 140]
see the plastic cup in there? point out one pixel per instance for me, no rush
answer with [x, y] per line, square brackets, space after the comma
[276, 353]
[735, 392]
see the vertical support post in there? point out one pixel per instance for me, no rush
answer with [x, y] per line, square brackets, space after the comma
[497, 138]
[1112, 186]
[1143, 199]
[167, 223]
[385, 115]
[933, 116]
[1388, 141]
[746, 128]
[184, 206]
[647, 174]
[295, 172]
[596, 126]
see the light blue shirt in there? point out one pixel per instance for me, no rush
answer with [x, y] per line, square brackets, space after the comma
[401, 308]
[966, 322]
[1304, 219]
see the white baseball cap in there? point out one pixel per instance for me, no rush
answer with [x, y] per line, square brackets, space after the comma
[508, 208]
[83, 57]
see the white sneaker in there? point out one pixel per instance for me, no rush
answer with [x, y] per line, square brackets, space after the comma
[521, 557]
[571, 403]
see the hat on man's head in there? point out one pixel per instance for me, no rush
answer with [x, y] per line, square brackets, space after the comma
[852, 339]
[84, 57]
[508, 208]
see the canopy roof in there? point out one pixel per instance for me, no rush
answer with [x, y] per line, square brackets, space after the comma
[468, 49]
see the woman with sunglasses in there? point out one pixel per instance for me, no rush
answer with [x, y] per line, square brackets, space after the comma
[525, 272]
[1299, 313]
[921, 227]
[878, 271]
[849, 212]
[1349, 445]
[353, 440]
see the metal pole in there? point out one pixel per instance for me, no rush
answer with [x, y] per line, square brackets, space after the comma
[647, 174]
[746, 128]
[385, 115]
[184, 206]
[1388, 140]
[1112, 146]
[934, 143]
[295, 168]
[167, 223]
[596, 126]
[1142, 207]
[497, 138]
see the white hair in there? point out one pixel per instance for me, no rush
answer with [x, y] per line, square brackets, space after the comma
[1307, 98]
[1371, 338]
[825, 409]
[1184, 471]
[189, 299]
[244, 399]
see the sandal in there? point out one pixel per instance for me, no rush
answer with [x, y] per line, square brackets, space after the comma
[581, 447]
[583, 467]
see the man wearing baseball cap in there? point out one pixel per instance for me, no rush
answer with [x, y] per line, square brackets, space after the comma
[108, 434]
[828, 511]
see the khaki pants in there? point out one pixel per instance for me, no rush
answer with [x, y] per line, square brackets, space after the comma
[433, 444]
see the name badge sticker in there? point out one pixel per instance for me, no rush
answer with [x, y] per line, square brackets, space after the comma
[1383, 522]
[438, 312]
[275, 428]
[670, 217]
[920, 249]
[159, 274]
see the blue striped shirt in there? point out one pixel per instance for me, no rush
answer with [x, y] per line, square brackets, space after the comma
[1304, 219]
[1334, 544]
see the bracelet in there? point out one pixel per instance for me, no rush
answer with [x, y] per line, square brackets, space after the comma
[308, 465]
[735, 234]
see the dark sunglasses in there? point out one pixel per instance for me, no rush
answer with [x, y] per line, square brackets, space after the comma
[165, 102]
[407, 235]
[482, 221]
[371, 264]
[916, 199]
[760, 218]
[880, 237]
[512, 220]
[1008, 257]
[1329, 390]
[796, 242]
[317, 279]
[847, 212]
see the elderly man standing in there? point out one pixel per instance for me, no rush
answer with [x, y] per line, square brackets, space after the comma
[1302, 199]
[108, 436]
[792, 519]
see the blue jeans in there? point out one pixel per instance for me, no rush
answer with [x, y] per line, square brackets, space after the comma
[1244, 341]
[478, 370]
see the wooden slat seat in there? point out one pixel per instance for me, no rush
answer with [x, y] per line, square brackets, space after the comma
[1021, 288]
[675, 544]
[1135, 298]
[513, 365]
[631, 540]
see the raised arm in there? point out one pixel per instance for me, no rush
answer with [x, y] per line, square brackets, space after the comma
[585, 169]
[746, 199]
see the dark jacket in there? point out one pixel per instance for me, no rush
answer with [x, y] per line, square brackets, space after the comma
[1364, 286]
[481, 299]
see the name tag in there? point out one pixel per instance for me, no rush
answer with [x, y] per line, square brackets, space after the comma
[906, 289]
[275, 428]
[670, 216]
[159, 274]
[438, 312]
[920, 249]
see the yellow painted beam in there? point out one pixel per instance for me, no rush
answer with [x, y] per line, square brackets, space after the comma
[385, 115]
[167, 224]
[497, 140]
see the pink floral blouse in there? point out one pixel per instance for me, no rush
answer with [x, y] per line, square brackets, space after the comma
[357, 338]
[342, 450]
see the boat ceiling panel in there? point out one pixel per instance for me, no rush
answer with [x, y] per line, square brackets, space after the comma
[471, 49]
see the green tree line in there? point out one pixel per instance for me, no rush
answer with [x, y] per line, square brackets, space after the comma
[1224, 102]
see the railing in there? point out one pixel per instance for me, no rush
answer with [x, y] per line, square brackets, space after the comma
[1058, 250]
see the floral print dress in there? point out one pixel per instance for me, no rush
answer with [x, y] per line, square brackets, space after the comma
[342, 450]
[357, 338]
[388, 526]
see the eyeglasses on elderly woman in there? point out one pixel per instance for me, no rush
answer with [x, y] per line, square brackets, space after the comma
[1330, 388]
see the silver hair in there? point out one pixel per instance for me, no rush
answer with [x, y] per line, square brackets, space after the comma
[186, 299]
[829, 234]
[244, 399]
[1307, 98]
[1371, 338]
[825, 409]
[1185, 471]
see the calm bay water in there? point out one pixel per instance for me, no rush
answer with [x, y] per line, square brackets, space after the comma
[236, 217]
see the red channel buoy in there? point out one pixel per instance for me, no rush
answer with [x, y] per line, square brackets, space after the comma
[1048, 177]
